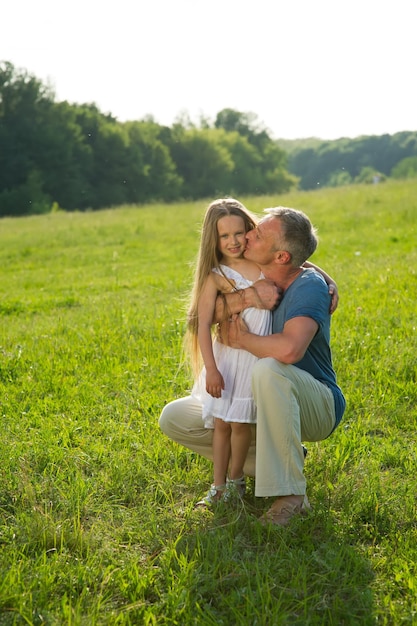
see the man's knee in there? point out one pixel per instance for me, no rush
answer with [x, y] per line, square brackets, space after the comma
[165, 419]
[268, 374]
[263, 368]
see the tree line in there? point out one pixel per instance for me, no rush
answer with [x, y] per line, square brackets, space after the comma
[74, 157]
[345, 161]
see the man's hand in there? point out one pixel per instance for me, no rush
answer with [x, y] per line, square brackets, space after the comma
[335, 297]
[235, 329]
[264, 294]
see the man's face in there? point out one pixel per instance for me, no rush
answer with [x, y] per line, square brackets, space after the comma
[262, 241]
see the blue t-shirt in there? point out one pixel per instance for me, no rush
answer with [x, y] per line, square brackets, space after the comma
[308, 296]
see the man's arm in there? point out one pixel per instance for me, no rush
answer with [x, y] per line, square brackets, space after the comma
[263, 294]
[333, 290]
[289, 346]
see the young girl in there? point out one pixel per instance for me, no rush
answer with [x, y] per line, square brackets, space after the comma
[224, 385]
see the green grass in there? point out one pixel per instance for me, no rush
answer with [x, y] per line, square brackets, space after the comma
[96, 506]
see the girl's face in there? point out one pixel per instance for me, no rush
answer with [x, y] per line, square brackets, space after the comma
[231, 236]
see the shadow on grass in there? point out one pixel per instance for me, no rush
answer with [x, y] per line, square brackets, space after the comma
[228, 568]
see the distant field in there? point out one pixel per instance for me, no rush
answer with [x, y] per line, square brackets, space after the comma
[96, 506]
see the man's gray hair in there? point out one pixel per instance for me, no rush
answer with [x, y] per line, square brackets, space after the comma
[300, 236]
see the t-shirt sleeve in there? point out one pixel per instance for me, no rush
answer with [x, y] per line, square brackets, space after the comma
[310, 299]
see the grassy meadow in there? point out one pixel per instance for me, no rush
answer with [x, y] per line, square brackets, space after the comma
[97, 525]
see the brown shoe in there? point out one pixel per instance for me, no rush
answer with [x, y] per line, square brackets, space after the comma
[284, 509]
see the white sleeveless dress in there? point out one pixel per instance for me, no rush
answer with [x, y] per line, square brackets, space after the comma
[236, 403]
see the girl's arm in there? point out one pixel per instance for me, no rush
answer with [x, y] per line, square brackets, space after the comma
[333, 291]
[206, 306]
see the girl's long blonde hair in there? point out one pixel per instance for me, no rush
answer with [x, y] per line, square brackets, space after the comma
[208, 258]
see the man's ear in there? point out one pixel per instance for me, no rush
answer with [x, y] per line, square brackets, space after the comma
[282, 257]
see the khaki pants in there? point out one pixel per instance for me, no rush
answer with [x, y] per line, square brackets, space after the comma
[292, 407]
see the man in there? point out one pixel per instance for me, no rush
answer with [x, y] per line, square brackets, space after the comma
[294, 384]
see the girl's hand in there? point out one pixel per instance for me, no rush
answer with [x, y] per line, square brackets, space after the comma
[214, 383]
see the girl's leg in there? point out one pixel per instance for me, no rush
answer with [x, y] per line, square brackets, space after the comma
[221, 458]
[181, 421]
[240, 441]
[221, 450]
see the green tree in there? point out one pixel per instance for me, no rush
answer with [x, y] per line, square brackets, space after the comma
[105, 167]
[65, 158]
[369, 175]
[25, 198]
[245, 174]
[203, 162]
[339, 178]
[406, 168]
[276, 178]
[267, 162]
[24, 102]
[153, 172]
[43, 155]
[314, 163]
[246, 124]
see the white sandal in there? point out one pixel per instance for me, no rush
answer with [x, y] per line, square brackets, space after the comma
[235, 489]
[214, 495]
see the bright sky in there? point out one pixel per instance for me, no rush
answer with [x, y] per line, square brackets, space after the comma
[322, 68]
